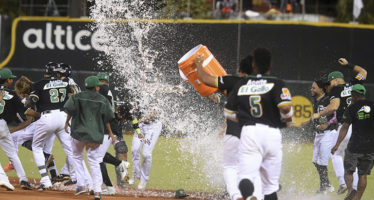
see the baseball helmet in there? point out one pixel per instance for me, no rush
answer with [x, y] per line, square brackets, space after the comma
[50, 68]
[65, 69]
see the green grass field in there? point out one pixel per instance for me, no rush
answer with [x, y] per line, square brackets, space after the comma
[169, 172]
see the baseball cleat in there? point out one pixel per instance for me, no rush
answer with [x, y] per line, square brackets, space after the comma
[122, 169]
[61, 177]
[70, 182]
[26, 185]
[342, 189]
[80, 190]
[9, 167]
[43, 187]
[6, 185]
[132, 180]
[109, 191]
[350, 195]
[142, 185]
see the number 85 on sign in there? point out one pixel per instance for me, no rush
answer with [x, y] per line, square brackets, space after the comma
[303, 110]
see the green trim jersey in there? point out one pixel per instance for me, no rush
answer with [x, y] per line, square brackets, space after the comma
[343, 92]
[52, 94]
[10, 106]
[361, 116]
[257, 98]
[318, 107]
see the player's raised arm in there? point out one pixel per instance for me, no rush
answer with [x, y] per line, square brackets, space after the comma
[204, 76]
[360, 71]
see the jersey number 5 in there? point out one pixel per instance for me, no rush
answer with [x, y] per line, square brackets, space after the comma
[54, 95]
[256, 107]
[2, 106]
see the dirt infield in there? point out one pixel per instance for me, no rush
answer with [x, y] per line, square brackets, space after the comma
[64, 192]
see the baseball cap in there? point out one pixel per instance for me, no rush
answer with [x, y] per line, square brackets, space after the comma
[92, 81]
[334, 75]
[358, 88]
[180, 194]
[6, 73]
[103, 76]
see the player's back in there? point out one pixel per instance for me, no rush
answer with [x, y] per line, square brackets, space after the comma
[52, 94]
[258, 99]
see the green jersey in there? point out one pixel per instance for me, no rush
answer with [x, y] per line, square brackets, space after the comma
[90, 111]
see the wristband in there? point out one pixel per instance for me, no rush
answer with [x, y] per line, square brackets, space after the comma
[350, 66]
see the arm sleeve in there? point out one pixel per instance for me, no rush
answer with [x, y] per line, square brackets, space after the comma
[281, 94]
[347, 116]
[227, 82]
[107, 112]
[70, 106]
[334, 93]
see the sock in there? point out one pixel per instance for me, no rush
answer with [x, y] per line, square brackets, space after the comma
[246, 187]
[51, 167]
[28, 145]
[108, 158]
[104, 173]
[272, 196]
[323, 175]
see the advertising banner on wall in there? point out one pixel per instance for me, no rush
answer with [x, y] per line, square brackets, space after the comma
[37, 41]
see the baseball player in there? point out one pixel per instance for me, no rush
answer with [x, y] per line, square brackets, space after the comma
[145, 141]
[262, 104]
[119, 144]
[10, 104]
[325, 129]
[340, 98]
[232, 137]
[89, 113]
[360, 150]
[49, 95]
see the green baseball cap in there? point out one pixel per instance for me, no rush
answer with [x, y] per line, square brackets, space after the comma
[103, 76]
[180, 194]
[6, 73]
[358, 88]
[334, 75]
[92, 81]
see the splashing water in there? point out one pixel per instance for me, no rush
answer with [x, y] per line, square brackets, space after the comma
[141, 68]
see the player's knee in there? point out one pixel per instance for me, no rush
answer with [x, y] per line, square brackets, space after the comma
[272, 196]
[146, 155]
[121, 147]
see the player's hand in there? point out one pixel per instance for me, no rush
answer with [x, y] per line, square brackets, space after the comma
[322, 127]
[140, 136]
[113, 137]
[198, 60]
[315, 116]
[67, 127]
[2, 94]
[343, 61]
[334, 149]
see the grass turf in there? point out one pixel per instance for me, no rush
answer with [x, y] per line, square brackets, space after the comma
[168, 172]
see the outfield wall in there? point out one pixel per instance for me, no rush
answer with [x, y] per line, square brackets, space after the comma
[301, 51]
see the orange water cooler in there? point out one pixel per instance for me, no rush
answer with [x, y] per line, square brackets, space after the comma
[188, 71]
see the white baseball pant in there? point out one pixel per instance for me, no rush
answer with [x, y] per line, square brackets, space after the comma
[323, 143]
[337, 158]
[7, 144]
[151, 132]
[94, 160]
[230, 165]
[49, 124]
[260, 158]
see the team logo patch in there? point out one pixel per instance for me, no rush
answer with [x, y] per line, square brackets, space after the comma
[55, 84]
[364, 112]
[286, 94]
[255, 89]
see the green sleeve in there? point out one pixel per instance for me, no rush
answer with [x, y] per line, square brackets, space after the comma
[70, 106]
[107, 112]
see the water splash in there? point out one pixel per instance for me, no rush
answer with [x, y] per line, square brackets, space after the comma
[141, 69]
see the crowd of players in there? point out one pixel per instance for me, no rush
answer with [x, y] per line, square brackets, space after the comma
[90, 119]
[258, 105]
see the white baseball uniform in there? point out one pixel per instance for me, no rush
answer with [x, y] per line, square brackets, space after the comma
[323, 143]
[151, 132]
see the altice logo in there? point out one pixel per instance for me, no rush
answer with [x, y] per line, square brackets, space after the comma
[64, 38]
